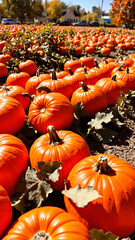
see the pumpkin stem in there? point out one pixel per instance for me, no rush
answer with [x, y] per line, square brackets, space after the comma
[127, 70]
[85, 70]
[84, 86]
[54, 138]
[31, 97]
[16, 70]
[70, 71]
[96, 64]
[41, 88]
[54, 77]
[41, 236]
[102, 165]
[120, 67]
[113, 78]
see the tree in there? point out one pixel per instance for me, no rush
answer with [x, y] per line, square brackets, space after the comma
[18, 9]
[64, 6]
[123, 12]
[54, 9]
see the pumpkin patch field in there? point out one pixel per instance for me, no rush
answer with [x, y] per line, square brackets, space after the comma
[67, 133]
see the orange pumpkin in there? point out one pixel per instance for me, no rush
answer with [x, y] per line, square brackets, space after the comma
[3, 70]
[5, 211]
[17, 93]
[64, 146]
[28, 66]
[114, 179]
[51, 109]
[18, 79]
[93, 98]
[47, 223]
[13, 161]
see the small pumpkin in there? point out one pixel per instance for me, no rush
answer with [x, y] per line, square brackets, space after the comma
[47, 223]
[3, 70]
[17, 78]
[28, 66]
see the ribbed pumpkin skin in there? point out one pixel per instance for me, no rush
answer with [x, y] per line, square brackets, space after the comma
[112, 89]
[5, 211]
[115, 210]
[12, 115]
[13, 161]
[127, 78]
[53, 221]
[28, 66]
[94, 100]
[16, 92]
[18, 79]
[69, 152]
[51, 109]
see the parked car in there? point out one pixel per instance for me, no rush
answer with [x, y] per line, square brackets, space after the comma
[81, 23]
[94, 23]
[64, 23]
[9, 21]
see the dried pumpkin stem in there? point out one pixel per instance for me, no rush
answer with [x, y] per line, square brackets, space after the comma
[70, 71]
[41, 236]
[102, 166]
[54, 77]
[113, 78]
[54, 138]
[84, 86]
[41, 88]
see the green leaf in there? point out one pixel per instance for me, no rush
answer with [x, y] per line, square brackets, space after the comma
[81, 197]
[100, 235]
[100, 118]
[49, 170]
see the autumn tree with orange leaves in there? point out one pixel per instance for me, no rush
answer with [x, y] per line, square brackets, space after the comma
[123, 12]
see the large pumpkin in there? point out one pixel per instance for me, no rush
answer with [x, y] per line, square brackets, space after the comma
[47, 223]
[114, 179]
[13, 161]
[5, 211]
[51, 109]
[12, 115]
[18, 79]
[64, 146]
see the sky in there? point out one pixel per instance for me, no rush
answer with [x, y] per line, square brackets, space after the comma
[88, 4]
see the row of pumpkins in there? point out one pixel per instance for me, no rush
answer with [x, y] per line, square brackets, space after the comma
[48, 100]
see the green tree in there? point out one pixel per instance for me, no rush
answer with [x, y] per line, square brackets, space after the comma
[18, 9]
[64, 6]
[54, 10]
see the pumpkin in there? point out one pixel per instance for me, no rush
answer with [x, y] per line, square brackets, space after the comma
[55, 84]
[12, 115]
[18, 79]
[73, 64]
[51, 109]
[5, 211]
[114, 179]
[64, 146]
[29, 66]
[87, 61]
[128, 77]
[112, 87]
[98, 73]
[3, 70]
[93, 98]
[47, 223]
[105, 51]
[74, 79]
[17, 93]
[13, 161]
[4, 58]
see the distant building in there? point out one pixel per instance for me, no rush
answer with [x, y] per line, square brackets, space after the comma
[106, 17]
[70, 15]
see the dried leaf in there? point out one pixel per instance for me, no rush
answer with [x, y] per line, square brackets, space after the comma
[31, 191]
[79, 111]
[100, 118]
[49, 170]
[81, 197]
[100, 235]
